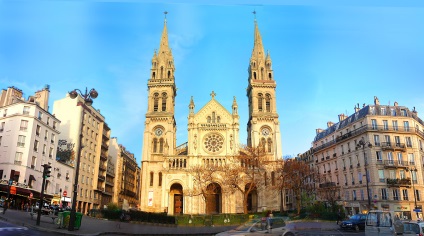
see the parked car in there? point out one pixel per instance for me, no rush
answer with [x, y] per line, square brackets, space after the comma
[413, 228]
[355, 222]
[258, 226]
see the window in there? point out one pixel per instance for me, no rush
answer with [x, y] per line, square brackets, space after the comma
[18, 158]
[384, 195]
[1, 137]
[354, 195]
[406, 125]
[400, 158]
[385, 125]
[155, 102]
[48, 120]
[376, 140]
[402, 174]
[33, 162]
[54, 124]
[362, 195]
[395, 125]
[164, 97]
[403, 112]
[408, 141]
[360, 177]
[40, 115]
[26, 110]
[37, 130]
[414, 177]
[151, 178]
[21, 141]
[268, 103]
[52, 138]
[383, 110]
[46, 134]
[390, 158]
[379, 156]
[417, 195]
[260, 100]
[411, 158]
[405, 194]
[273, 178]
[269, 145]
[381, 176]
[82, 179]
[397, 141]
[160, 179]
[2, 126]
[51, 152]
[44, 149]
[5, 113]
[24, 125]
[374, 124]
[36, 145]
[396, 194]
[387, 138]
[393, 112]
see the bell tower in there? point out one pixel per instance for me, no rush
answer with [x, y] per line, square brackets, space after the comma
[263, 127]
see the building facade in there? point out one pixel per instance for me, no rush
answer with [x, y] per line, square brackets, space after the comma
[382, 142]
[213, 137]
[126, 189]
[80, 120]
[29, 136]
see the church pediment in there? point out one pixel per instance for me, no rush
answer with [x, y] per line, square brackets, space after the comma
[213, 115]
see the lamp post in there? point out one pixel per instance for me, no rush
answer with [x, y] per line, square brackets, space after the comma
[413, 188]
[87, 97]
[6, 203]
[362, 144]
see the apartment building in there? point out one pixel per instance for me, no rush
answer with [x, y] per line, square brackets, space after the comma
[29, 136]
[127, 172]
[81, 120]
[381, 142]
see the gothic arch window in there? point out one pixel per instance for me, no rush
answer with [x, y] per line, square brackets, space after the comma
[254, 75]
[155, 102]
[268, 65]
[160, 179]
[265, 182]
[260, 99]
[209, 119]
[155, 145]
[269, 145]
[262, 73]
[213, 117]
[263, 142]
[273, 178]
[154, 75]
[268, 102]
[218, 119]
[161, 72]
[164, 96]
[161, 145]
[269, 76]
[151, 178]
[169, 74]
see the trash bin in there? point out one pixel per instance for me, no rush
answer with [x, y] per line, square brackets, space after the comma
[63, 219]
[78, 218]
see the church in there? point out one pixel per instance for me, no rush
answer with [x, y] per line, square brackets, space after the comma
[213, 137]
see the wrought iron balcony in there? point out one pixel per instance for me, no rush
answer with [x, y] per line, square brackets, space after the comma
[396, 164]
[399, 182]
[327, 185]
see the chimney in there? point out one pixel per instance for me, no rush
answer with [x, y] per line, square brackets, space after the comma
[319, 130]
[357, 108]
[342, 117]
[329, 124]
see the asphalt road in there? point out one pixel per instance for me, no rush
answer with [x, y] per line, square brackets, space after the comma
[330, 233]
[8, 229]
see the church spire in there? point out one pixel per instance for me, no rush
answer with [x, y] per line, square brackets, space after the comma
[164, 45]
[258, 48]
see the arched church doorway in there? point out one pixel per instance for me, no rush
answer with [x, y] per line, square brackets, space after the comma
[252, 199]
[213, 199]
[176, 197]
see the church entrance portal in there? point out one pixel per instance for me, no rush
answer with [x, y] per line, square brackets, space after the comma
[176, 194]
[213, 199]
[252, 200]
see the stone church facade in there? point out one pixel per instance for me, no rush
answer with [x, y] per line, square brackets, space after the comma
[213, 137]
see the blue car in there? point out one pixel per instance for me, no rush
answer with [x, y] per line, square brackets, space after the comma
[355, 222]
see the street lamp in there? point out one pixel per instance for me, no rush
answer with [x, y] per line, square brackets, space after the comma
[362, 144]
[413, 188]
[88, 97]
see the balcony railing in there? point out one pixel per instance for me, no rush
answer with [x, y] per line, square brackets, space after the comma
[399, 182]
[393, 146]
[327, 185]
[395, 164]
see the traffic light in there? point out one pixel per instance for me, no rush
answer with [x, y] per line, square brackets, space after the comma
[46, 171]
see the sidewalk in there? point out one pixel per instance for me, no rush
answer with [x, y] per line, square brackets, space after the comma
[95, 226]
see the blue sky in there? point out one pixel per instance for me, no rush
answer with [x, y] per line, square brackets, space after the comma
[326, 57]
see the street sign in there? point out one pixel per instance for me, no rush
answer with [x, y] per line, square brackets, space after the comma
[31, 195]
[65, 193]
[417, 210]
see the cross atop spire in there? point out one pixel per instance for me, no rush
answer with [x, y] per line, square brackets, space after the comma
[213, 94]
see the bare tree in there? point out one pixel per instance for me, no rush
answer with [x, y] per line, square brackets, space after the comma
[296, 177]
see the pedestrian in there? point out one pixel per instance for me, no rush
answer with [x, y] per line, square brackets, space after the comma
[5, 205]
[269, 216]
[339, 216]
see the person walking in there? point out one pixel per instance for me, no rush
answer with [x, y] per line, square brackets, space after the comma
[339, 216]
[269, 216]
[5, 205]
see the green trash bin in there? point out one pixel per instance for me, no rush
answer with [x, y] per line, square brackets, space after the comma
[78, 218]
[63, 219]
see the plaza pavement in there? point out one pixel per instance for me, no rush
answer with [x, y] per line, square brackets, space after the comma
[94, 226]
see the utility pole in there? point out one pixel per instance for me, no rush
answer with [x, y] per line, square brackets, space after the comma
[46, 174]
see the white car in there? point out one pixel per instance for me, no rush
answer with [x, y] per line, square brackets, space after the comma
[413, 228]
[259, 226]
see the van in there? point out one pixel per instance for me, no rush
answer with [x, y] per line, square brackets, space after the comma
[380, 222]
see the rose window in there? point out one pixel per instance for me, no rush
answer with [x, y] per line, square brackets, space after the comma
[213, 142]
